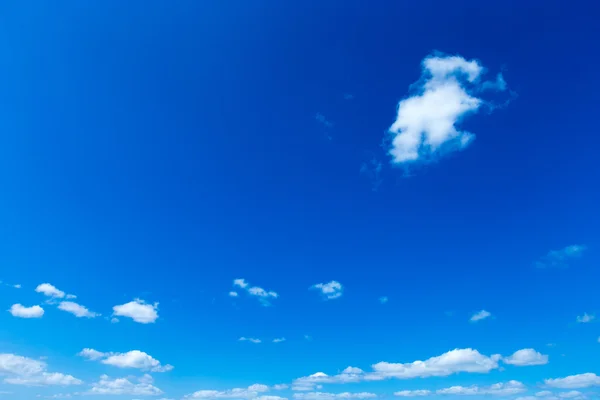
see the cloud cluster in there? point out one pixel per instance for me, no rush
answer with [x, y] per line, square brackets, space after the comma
[138, 310]
[561, 258]
[252, 392]
[142, 386]
[132, 359]
[249, 339]
[331, 290]
[19, 370]
[426, 121]
[264, 296]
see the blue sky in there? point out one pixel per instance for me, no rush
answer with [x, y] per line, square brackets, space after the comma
[316, 200]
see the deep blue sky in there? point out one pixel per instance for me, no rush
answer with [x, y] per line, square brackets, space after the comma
[159, 150]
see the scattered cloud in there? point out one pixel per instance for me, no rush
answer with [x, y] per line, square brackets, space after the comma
[383, 299]
[526, 357]
[561, 258]
[585, 318]
[50, 291]
[132, 359]
[143, 386]
[264, 296]
[331, 290]
[413, 393]
[324, 121]
[77, 310]
[233, 294]
[279, 340]
[478, 316]
[498, 389]
[20, 311]
[425, 125]
[138, 310]
[280, 386]
[333, 396]
[574, 381]
[26, 371]
[251, 340]
[251, 392]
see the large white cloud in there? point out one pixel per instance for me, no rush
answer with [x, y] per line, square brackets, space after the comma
[20, 311]
[526, 357]
[331, 290]
[19, 370]
[138, 310]
[131, 359]
[124, 386]
[574, 381]
[77, 310]
[426, 121]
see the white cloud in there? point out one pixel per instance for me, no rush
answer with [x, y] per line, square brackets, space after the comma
[560, 258]
[138, 310]
[574, 381]
[17, 286]
[544, 393]
[280, 386]
[383, 299]
[478, 316]
[333, 396]
[307, 383]
[76, 309]
[279, 340]
[526, 357]
[50, 291]
[413, 393]
[585, 318]
[570, 395]
[331, 290]
[26, 371]
[251, 340]
[20, 311]
[264, 296]
[123, 386]
[132, 359]
[498, 389]
[251, 392]
[425, 125]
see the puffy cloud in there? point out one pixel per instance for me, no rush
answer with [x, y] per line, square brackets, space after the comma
[251, 340]
[478, 316]
[20, 311]
[138, 310]
[425, 125]
[412, 393]
[123, 386]
[263, 295]
[333, 396]
[574, 381]
[561, 258]
[132, 359]
[279, 340]
[585, 318]
[251, 392]
[76, 309]
[26, 371]
[526, 357]
[331, 290]
[499, 389]
[233, 294]
[50, 291]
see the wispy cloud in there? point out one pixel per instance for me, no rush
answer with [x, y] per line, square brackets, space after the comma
[574, 381]
[561, 258]
[252, 392]
[585, 318]
[478, 316]
[249, 339]
[497, 389]
[264, 296]
[331, 290]
[324, 121]
[131, 359]
[426, 121]
[333, 396]
[372, 171]
[279, 340]
[77, 310]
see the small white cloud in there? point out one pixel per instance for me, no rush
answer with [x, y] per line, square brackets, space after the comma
[333, 396]
[331, 290]
[252, 392]
[114, 320]
[279, 340]
[383, 299]
[138, 310]
[498, 389]
[560, 258]
[91, 354]
[50, 291]
[544, 393]
[264, 296]
[77, 310]
[17, 286]
[426, 121]
[321, 119]
[413, 393]
[241, 283]
[574, 381]
[570, 395]
[251, 340]
[20, 311]
[124, 386]
[585, 318]
[233, 294]
[132, 359]
[478, 316]
[526, 357]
